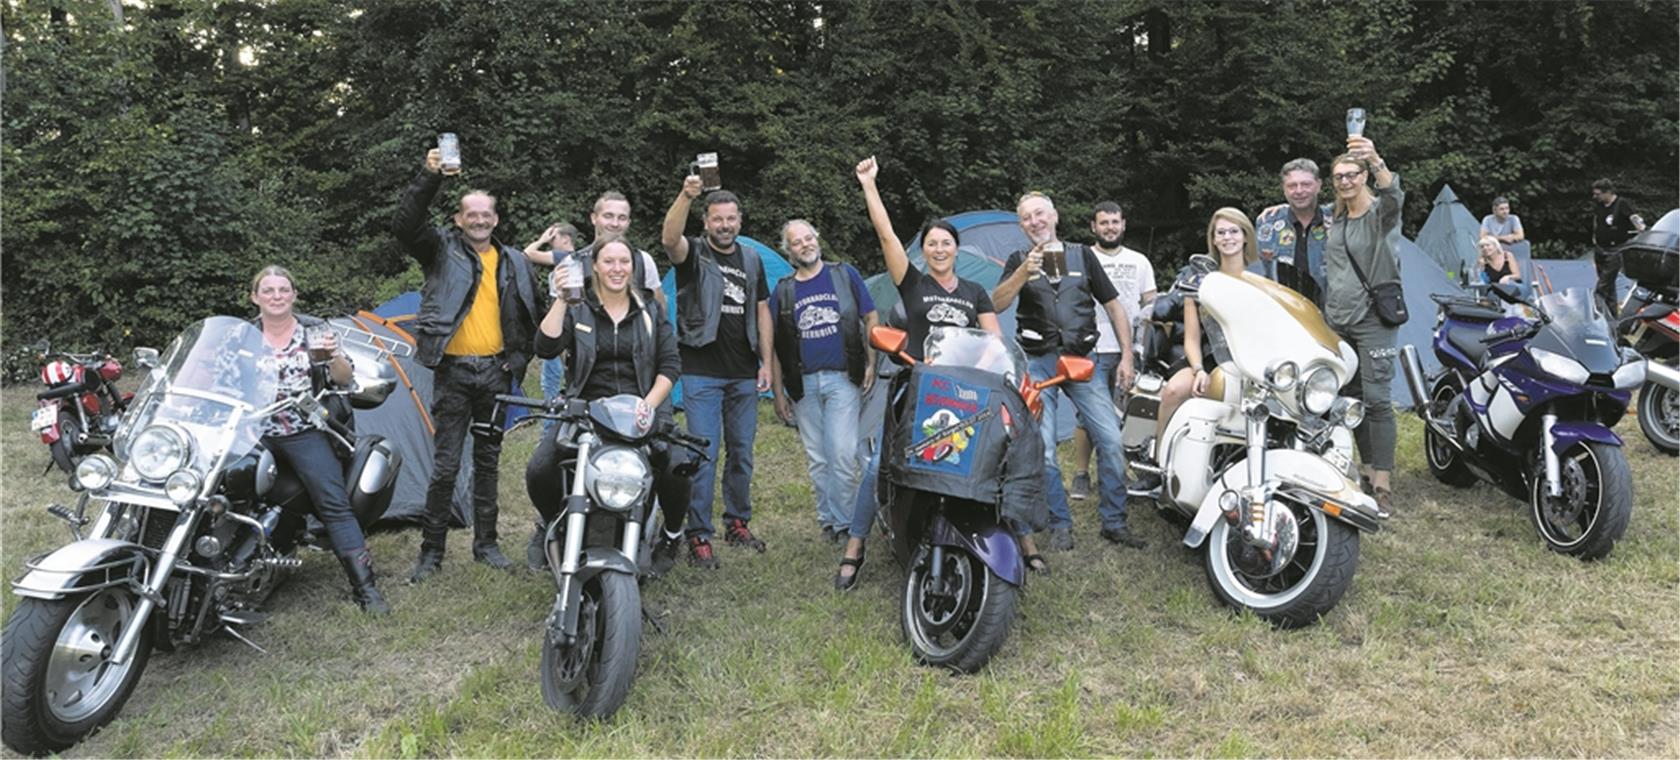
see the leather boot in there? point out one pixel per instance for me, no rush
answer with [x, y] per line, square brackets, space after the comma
[430, 561]
[484, 541]
[358, 567]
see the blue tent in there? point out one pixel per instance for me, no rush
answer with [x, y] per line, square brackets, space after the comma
[775, 268]
[1420, 277]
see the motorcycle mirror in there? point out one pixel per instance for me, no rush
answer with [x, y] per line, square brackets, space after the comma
[1076, 368]
[889, 339]
[1204, 263]
[370, 393]
[146, 357]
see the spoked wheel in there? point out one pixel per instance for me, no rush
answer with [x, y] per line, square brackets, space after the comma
[1659, 417]
[1288, 588]
[960, 620]
[64, 449]
[1445, 461]
[60, 682]
[1592, 512]
[591, 676]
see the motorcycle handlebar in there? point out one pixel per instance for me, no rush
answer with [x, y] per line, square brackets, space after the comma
[503, 398]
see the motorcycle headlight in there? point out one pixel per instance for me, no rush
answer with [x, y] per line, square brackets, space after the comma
[1281, 375]
[1349, 411]
[1630, 374]
[158, 451]
[1559, 366]
[96, 472]
[182, 487]
[1319, 390]
[618, 478]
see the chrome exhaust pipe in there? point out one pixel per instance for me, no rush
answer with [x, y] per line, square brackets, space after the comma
[1413, 370]
[1662, 374]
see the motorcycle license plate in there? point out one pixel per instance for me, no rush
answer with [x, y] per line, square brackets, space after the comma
[43, 418]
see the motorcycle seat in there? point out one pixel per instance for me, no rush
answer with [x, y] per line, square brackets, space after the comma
[1471, 310]
[1468, 338]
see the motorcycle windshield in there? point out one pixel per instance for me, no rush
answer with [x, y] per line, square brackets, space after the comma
[618, 415]
[1262, 323]
[968, 347]
[1578, 330]
[207, 384]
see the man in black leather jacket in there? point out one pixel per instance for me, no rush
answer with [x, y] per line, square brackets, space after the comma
[479, 308]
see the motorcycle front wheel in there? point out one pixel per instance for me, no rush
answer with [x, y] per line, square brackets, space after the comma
[961, 620]
[60, 682]
[591, 676]
[1300, 591]
[1597, 500]
[1659, 417]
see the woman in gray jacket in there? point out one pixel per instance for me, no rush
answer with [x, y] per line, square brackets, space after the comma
[1364, 238]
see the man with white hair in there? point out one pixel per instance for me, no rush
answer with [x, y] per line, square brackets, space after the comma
[1058, 317]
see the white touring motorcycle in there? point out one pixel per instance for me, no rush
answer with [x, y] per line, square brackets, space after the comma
[193, 524]
[1263, 467]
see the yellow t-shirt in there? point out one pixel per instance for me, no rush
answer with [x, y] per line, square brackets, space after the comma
[481, 332]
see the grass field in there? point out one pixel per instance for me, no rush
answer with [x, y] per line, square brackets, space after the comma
[1462, 636]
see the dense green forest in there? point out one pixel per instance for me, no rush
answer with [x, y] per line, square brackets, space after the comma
[154, 155]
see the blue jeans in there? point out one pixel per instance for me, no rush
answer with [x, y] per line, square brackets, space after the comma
[311, 457]
[722, 411]
[863, 512]
[1108, 365]
[1095, 405]
[828, 427]
[553, 381]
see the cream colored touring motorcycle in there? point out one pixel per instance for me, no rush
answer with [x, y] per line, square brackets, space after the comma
[1263, 467]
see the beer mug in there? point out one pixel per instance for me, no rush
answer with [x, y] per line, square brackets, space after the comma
[705, 165]
[570, 274]
[449, 153]
[316, 339]
[1355, 122]
[1055, 260]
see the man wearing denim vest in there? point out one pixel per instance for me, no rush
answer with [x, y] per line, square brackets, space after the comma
[1291, 235]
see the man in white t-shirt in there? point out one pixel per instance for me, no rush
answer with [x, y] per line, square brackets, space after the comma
[1134, 278]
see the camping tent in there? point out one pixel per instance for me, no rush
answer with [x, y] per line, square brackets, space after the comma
[403, 419]
[1449, 236]
[775, 268]
[1420, 277]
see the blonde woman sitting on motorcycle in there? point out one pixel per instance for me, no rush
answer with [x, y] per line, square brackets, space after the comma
[1230, 237]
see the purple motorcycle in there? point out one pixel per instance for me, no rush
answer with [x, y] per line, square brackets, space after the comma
[1528, 405]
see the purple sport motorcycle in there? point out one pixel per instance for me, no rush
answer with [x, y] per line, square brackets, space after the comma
[1528, 403]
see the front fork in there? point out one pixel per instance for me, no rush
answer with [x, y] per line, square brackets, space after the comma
[151, 592]
[1259, 529]
[567, 562]
[1554, 481]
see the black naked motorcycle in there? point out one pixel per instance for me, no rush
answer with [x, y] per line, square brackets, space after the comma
[961, 456]
[596, 547]
[194, 523]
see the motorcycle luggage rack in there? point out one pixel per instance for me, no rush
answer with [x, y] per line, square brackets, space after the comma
[367, 339]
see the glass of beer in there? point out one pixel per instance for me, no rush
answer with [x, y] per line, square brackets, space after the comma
[320, 350]
[1355, 122]
[706, 166]
[449, 153]
[571, 280]
[1055, 260]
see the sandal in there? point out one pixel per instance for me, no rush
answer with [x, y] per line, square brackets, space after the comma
[1036, 563]
[844, 582]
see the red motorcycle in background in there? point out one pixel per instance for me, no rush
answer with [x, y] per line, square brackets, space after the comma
[81, 407]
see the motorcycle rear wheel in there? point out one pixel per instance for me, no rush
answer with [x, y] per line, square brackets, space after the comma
[1659, 417]
[60, 683]
[962, 630]
[591, 677]
[1305, 589]
[1597, 501]
[64, 449]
